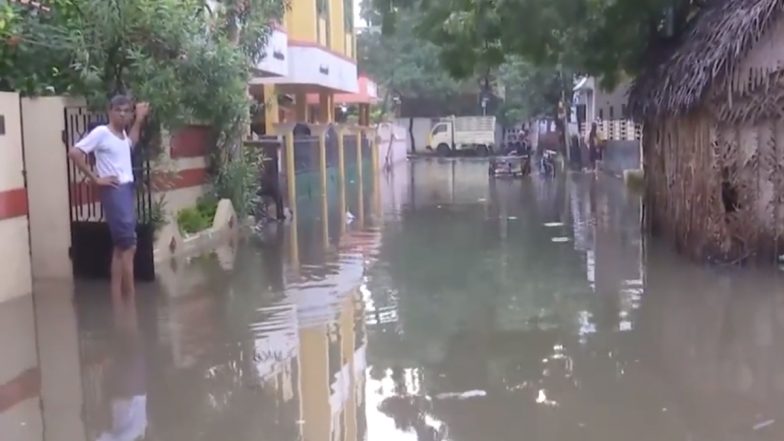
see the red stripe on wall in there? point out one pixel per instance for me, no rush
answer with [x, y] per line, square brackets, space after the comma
[13, 203]
[25, 386]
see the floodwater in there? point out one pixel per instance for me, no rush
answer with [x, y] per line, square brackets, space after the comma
[439, 306]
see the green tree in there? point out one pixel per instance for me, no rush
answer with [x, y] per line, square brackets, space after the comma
[35, 48]
[189, 62]
[245, 23]
[190, 59]
[597, 37]
[404, 64]
[530, 91]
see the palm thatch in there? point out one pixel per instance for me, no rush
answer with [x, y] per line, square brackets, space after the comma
[706, 57]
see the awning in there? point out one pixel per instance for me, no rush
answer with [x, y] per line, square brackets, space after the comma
[368, 94]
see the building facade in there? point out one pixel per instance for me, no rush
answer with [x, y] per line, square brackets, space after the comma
[595, 103]
[310, 61]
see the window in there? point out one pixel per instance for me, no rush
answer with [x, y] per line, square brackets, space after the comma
[441, 128]
[581, 111]
[323, 25]
[612, 112]
[625, 111]
[601, 114]
[348, 16]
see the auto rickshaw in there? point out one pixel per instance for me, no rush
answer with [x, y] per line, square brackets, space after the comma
[512, 166]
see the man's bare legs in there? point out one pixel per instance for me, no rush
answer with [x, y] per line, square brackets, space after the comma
[122, 282]
[127, 272]
[117, 274]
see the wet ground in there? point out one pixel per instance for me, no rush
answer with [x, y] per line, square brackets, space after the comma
[439, 306]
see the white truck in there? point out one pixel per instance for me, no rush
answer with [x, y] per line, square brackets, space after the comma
[463, 133]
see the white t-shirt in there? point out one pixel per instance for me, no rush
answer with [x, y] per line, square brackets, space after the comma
[112, 154]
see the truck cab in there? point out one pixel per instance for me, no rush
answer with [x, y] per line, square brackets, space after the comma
[465, 133]
[442, 137]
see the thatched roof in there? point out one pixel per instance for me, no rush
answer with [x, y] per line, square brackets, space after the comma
[707, 55]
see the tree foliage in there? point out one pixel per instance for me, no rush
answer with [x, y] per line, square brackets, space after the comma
[246, 23]
[189, 61]
[597, 37]
[404, 64]
[35, 48]
[530, 91]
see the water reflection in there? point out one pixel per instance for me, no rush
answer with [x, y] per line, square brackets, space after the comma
[453, 308]
[125, 378]
[583, 338]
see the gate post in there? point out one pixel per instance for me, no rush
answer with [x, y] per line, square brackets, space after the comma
[15, 274]
[321, 131]
[342, 178]
[361, 181]
[374, 153]
[359, 155]
[323, 162]
[341, 157]
[371, 134]
[287, 131]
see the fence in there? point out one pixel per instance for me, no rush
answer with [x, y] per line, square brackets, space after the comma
[306, 165]
[622, 149]
[616, 130]
[620, 156]
[350, 155]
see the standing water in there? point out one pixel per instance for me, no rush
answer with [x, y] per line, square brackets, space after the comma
[435, 304]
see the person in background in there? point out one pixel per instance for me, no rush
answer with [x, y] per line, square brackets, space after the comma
[113, 174]
[270, 188]
[595, 143]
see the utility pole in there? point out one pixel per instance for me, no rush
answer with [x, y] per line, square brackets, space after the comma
[484, 94]
[562, 115]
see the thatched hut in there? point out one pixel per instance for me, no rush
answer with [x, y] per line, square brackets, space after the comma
[713, 144]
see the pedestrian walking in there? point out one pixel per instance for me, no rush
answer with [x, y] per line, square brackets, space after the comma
[595, 144]
[111, 145]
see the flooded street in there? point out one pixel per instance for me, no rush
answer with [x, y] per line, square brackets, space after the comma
[439, 305]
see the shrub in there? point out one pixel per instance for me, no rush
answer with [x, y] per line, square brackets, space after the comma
[207, 205]
[158, 214]
[191, 221]
[199, 218]
[238, 179]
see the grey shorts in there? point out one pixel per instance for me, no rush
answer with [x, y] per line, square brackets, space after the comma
[120, 213]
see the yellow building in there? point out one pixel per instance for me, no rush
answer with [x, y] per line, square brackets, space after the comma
[312, 52]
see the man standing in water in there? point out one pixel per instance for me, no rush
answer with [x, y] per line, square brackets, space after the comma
[113, 175]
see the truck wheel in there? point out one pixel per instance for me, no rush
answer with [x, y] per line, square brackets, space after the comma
[482, 150]
[443, 150]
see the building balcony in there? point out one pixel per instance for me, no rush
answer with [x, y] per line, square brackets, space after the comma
[314, 68]
[276, 56]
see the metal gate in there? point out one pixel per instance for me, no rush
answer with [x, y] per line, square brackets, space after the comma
[91, 245]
